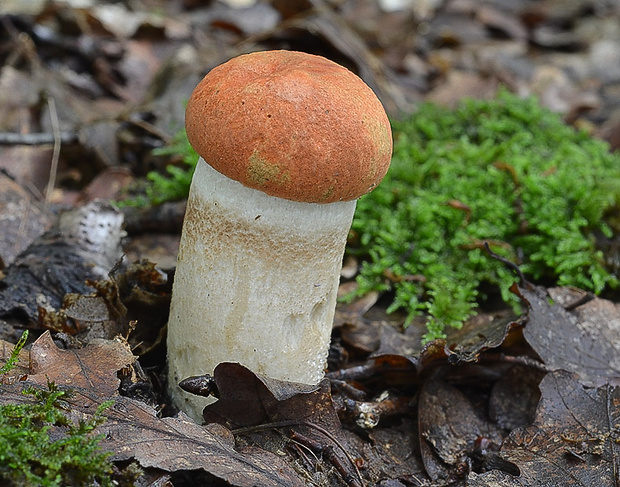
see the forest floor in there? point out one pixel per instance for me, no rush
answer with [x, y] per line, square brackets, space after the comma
[87, 91]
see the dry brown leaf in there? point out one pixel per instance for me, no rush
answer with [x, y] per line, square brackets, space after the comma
[584, 341]
[497, 478]
[93, 367]
[481, 332]
[449, 427]
[395, 452]
[248, 399]
[573, 440]
[305, 411]
[514, 397]
[394, 341]
[133, 431]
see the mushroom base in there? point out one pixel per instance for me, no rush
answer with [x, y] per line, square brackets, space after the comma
[256, 283]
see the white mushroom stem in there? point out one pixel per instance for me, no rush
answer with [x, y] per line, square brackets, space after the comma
[256, 283]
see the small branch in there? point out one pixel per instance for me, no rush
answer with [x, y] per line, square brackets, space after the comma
[13, 138]
[580, 301]
[151, 129]
[55, 153]
[367, 414]
[517, 360]
[328, 452]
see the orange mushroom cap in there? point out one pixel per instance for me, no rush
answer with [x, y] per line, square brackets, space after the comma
[290, 124]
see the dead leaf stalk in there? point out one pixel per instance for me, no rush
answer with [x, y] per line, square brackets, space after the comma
[37, 138]
[517, 360]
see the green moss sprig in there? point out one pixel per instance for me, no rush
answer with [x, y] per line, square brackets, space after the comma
[14, 357]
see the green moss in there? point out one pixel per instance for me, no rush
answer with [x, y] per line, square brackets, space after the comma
[504, 171]
[29, 456]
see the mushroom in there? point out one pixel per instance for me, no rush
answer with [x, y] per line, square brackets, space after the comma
[288, 141]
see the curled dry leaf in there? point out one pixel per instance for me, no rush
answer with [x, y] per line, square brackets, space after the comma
[305, 412]
[247, 399]
[480, 333]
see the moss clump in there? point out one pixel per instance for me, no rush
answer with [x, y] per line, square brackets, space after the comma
[29, 456]
[505, 171]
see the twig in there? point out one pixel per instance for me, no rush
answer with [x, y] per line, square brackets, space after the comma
[151, 129]
[13, 138]
[328, 452]
[580, 301]
[517, 360]
[23, 44]
[508, 263]
[367, 414]
[56, 151]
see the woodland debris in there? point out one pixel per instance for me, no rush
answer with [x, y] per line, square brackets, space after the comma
[83, 244]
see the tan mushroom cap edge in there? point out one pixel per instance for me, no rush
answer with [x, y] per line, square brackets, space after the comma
[290, 124]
